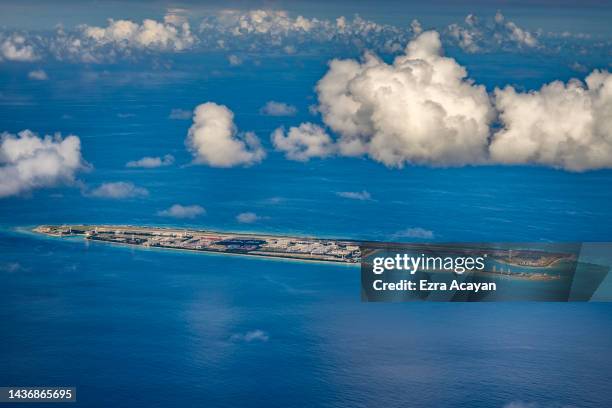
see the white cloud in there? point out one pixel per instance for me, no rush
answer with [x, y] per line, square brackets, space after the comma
[38, 75]
[475, 36]
[250, 336]
[416, 27]
[214, 140]
[272, 22]
[416, 232]
[182, 211]
[303, 142]
[118, 190]
[273, 108]
[247, 217]
[28, 161]
[152, 162]
[17, 48]
[180, 114]
[355, 195]
[419, 109]
[566, 126]
[234, 60]
[151, 34]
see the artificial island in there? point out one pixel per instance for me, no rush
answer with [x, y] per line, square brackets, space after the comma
[510, 263]
[309, 249]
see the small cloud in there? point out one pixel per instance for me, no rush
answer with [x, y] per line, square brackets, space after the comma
[415, 232]
[273, 108]
[11, 267]
[234, 60]
[151, 162]
[289, 49]
[118, 190]
[251, 336]
[274, 200]
[180, 114]
[578, 67]
[125, 115]
[521, 404]
[355, 195]
[182, 211]
[247, 217]
[38, 75]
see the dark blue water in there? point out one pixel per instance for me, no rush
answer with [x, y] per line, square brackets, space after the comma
[145, 328]
[132, 327]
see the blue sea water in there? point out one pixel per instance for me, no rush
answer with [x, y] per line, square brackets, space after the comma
[149, 328]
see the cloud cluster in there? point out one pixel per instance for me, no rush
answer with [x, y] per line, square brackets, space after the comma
[214, 140]
[276, 29]
[303, 142]
[151, 162]
[476, 36]
[272, 22]
[266, 30]
[419, 109]
[118, 190]
[151, 34]
[422, 109]
[562, 125]
[28, 161]
[182, 211]
[16, 47]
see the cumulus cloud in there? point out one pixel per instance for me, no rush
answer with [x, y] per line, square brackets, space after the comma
[180, 114]
[273, 108]
[419, 109]
[17, 48]
[38, 75]
[563, 125]
[247, 217]
[151, 34]
[213, 139]
[151, 162]
[28, 161]
[303, 142]
[182, 211]
[251, 336]
[118, 190]
[415, 232]
[355, 195]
